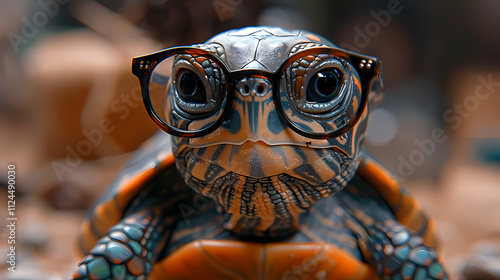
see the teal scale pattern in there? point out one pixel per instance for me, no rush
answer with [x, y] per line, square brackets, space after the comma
[392, 249]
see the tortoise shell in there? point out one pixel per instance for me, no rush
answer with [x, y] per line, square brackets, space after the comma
[186, 208]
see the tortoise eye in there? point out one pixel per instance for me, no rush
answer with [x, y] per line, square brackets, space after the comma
[190, 87]
[317, 84]
[199, 84]
[324, 86]
[187, 92]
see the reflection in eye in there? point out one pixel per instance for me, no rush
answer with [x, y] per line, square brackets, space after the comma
[190, 87]
[324, 86]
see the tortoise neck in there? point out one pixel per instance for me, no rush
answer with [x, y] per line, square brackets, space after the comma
[261, 207]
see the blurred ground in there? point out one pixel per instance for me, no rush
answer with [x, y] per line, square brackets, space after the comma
[71, 116]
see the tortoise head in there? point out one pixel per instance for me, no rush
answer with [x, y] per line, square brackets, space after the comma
[266, 121]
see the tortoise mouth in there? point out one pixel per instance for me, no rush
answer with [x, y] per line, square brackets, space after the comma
[303, 178]
[260, 160]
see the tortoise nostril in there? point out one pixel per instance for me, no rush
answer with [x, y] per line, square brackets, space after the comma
[253, 86]
[246, 88]
[260, 88]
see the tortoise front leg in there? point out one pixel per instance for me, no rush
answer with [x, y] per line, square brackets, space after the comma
[128, 250]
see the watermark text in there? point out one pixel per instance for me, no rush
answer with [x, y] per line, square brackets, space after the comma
[11, 217]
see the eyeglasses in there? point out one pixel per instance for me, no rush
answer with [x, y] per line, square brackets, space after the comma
[319, 93]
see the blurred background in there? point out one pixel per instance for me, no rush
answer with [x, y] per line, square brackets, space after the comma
[71, 113]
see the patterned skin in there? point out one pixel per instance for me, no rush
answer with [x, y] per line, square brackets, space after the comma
[256, 198]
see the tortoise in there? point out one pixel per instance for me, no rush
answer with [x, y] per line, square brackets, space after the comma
[261, 173]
